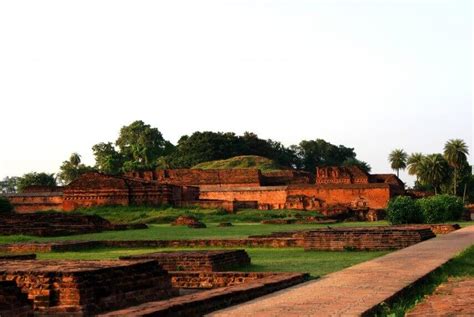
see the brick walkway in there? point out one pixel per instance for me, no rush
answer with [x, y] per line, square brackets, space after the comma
[359, 289]
[454, 298]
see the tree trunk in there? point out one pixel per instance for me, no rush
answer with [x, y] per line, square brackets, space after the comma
[398, 172]
[464, 194]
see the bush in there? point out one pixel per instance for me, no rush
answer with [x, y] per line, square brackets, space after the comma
[5, 205]
[441, 208]
[402, 210]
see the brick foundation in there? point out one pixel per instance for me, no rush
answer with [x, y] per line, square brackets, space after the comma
[17, 257]
[375, 238]
[201, 260]
[198, 304]
[13, 303]
[79, 288]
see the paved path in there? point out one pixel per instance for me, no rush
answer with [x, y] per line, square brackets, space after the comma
[357, 290]
[454, 298]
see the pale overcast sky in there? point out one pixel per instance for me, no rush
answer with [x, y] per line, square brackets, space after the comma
[373, 75]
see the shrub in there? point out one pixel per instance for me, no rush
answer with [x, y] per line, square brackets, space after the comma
[5, 205]
[402, 210]
[441, 208]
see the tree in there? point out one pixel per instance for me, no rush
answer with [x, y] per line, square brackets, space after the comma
[72, 169]
[355, 162]
[9, 184]
[142, 145]
[398, 160]
[413, 163]
[455, 153]
[315, 153]
[434, 170]
[36, 179]
[107, 159]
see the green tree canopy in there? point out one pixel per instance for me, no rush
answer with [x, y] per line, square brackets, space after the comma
[314, 153]
[455, 153]
[142, 145]
[107, 159]
[9, 184]
[398, 160]
[434, 170]
[36, 179]
[72, 169]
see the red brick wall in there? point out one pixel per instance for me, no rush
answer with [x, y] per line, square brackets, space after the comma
[374, 196]
[32, 202]
[274, 196]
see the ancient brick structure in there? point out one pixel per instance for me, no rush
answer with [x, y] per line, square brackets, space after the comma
[239, 287]
[365, 238]
[79, 288]
[349, 187]
[56, 224]
[200, 260]
[28, 256]
[13, 303]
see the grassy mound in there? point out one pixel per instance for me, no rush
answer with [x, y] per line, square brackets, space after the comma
[244, 161]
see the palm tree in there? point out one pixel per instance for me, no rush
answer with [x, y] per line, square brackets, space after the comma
[455, 152]
[75, 159]
[413, 162]
[433, 169]
[398, 160]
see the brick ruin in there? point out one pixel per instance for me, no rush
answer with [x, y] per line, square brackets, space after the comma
[50, 224]
[200, 260]
[131, 287]
[330, 188]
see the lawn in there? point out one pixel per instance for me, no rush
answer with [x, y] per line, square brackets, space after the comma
[168, 232]
[316, 263]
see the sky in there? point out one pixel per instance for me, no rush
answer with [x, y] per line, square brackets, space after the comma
[374, 75]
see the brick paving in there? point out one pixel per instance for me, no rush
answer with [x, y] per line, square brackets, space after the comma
[358, 290]
[454, 298]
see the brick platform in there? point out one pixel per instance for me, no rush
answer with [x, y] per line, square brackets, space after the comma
[360, 289]
[87, 287]
[201, 260]
[13, 303]
[210, 280]
[454, 298]
[200, 303]
[365, 238]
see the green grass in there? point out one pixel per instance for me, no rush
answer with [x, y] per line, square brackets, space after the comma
[245, 161]
[316, 263]
[161, 215]
[168, 232]
[460, 266]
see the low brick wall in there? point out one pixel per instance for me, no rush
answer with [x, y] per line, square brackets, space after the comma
[375, 238]
[210, 280]
[200, 243]
[199, 304]
[79, 288]
[17, 257]
[201, 260]
[49, 246]
[13, 303]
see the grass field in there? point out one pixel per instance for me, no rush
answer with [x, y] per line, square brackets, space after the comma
[316, 263]
[168, 232]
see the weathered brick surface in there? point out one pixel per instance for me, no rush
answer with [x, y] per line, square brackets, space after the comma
[362, 288]
[51, 224]
[87, 287]
[200, 303]
[364, 238]
[62, 246]
[13, 303]
[453, 298]
[200, 260]
[36, 201]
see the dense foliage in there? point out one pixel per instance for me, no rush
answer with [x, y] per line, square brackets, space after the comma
[72, 169]
[36, 179]
[5, 205]
[433, 209]
[441, 208]
[403, 210]
[141, 147]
